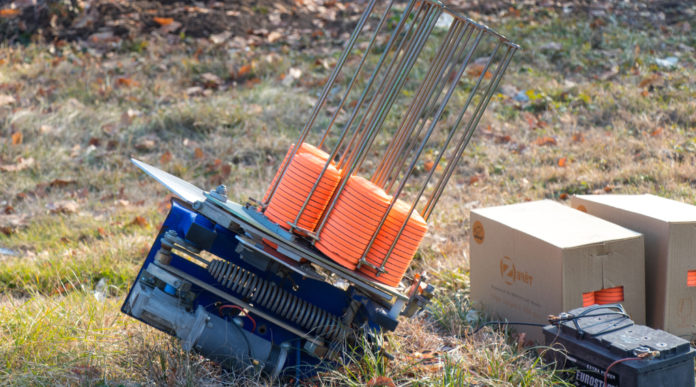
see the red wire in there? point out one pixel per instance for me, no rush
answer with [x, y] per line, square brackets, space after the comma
[606, 373]
[253, 322]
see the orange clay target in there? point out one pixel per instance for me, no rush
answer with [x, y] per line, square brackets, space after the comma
[304, 148]
[353, 221]
[303, 171]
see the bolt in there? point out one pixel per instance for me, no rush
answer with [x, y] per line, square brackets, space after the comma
[197, 205]
[221, 190]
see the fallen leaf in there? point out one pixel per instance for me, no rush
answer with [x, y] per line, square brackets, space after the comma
[578, 137]
[163, 21]
[645, 93]
[429, 164]
[545, 141]
[60, 183]
[258, 31]
[127, 82]
[225, 171]
[476, 69]
[194, 90]
[657, 132]
[611, 73]
[221, 37]
[63, 207]
[502, 139]
[43, 129]
[171, 27]
[21, 164]
[139, 221]
[253, 81]
[244, 70]
[474, 179]
[9, 209]
[166, 157]
[381, 381]
[10, 223]
[608, 188]
[145, 144]
[652, 80]
[103, 37]
[211, 81]
[562, 162]
[163, 206]
[9, 12]
[17, 138]
[101, 231]
[6, 99]
[198, 153]
[275, 36]
[317, 33]
[563, 196]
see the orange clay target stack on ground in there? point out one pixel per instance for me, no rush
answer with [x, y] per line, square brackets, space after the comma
[295, 187]
[355, 218]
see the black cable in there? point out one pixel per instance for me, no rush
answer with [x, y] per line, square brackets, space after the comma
[243, 336]
[507, 323]
[574, 318]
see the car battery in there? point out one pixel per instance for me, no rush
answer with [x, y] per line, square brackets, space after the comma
[605, 348]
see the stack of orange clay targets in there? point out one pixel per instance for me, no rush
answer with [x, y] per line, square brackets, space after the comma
[604, 296]
[294, 188]
[691, 278]
[353, 220]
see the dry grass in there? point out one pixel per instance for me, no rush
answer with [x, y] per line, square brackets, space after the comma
[81, 124]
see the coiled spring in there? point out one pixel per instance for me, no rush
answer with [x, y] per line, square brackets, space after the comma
[266, 294]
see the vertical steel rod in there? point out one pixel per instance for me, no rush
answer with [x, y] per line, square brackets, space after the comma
[415, 109]
[362, 145]
[357, 72]
[418, 153]
[466, 137]
[333, 119]
[435, 92]
[388, 80]
[324, 94]
[384, 110]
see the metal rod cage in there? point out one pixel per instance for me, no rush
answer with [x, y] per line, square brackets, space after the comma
[442, 67]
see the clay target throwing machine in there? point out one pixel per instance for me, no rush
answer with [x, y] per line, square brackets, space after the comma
[287, 281]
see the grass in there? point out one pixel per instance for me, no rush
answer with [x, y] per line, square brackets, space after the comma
[621, 123]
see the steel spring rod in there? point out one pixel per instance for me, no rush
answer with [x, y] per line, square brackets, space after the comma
[270, 296]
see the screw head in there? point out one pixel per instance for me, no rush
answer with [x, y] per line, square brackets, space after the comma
[221, 190]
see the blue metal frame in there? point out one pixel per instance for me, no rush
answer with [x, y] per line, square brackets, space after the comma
[333, 299]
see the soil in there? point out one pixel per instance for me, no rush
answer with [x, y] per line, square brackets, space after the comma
[259, 22]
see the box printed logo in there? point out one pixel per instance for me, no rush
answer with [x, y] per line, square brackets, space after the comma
[510, 274]
[478, 232]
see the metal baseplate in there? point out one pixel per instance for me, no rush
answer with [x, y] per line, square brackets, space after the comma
[236, 288]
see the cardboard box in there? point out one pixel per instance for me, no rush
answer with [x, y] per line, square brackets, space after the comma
[669, 229]
[533, 259]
